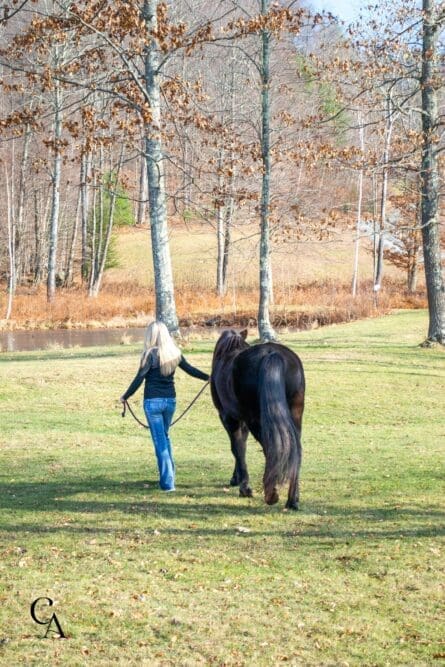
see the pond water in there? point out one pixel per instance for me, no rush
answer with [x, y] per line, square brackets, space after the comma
[16, 341]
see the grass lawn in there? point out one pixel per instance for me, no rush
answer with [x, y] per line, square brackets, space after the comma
[203, 577]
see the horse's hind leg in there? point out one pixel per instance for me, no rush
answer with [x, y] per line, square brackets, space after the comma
[293, 497]
[234, 480]
[238, 433]
[271, 495]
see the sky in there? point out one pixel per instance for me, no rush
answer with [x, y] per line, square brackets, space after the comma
[347, 10]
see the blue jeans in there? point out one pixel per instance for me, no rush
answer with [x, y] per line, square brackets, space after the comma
[159, 413]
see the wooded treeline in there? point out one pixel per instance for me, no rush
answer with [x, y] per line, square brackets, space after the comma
[131, 112]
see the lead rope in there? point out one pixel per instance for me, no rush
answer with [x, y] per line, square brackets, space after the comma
[127, 405]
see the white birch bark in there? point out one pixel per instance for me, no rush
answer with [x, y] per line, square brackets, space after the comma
[72, 247]
[390, 117]
[142, 198]
[20, 218]
[93, 232]
[41, 219]
[84, 206]
[106, 244]
[359, 213]
[55, 197]
[220, 287]
[11, 246]
[163, 275]
[265, 329]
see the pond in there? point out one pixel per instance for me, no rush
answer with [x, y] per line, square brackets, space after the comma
[16, 341]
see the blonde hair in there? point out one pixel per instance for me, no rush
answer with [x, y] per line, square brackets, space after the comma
[157, 336]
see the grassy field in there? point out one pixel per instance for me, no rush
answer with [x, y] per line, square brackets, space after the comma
[203, 577]
[194, 251]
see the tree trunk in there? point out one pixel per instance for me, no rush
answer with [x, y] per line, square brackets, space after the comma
[374, 227]
[229, 205]
[187, 156]
[72, 248]
[142, 198]
[430, 80]
[93, 231]
[11, 246]
[40, 231]
[225, 211]
[220, 229]
[84, 206]
[228, 219]
[163, 275]
[415, 240]
[101, 210]
[97, 223]
[20, 235]
[265, 329]
[187, 179]
[412, 270]
[359, 216]
[94, 291]
[384, 195]
[55, 197]
[220, 288]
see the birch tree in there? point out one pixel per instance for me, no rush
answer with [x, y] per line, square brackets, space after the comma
[389, 125]
[264, 326]
[55, 191]
[163, 275]
[359, 208]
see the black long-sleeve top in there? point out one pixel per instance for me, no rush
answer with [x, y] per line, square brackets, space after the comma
[157, 385]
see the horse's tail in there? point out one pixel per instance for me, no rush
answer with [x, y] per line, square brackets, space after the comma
[279, 436]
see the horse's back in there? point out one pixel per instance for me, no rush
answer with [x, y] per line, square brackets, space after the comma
[247, 370]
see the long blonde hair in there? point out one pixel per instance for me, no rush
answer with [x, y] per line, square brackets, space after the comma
[158, 336]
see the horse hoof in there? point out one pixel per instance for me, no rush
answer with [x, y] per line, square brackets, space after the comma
[272, 499]
[292, 505]
[234, 482]
[246, 492]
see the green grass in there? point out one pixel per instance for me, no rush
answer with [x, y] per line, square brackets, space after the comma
[203, 576]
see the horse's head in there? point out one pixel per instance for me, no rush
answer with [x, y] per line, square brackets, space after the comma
[229, 341]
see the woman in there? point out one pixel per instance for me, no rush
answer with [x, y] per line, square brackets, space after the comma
[159, 361]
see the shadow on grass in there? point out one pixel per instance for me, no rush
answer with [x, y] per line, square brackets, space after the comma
[188, 536]
[202, 507]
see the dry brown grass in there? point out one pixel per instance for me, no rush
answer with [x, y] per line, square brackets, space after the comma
[129, 304]
[311, 284]
[300, 307]
[72, 308]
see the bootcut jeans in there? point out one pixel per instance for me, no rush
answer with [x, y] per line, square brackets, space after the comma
[159, 413]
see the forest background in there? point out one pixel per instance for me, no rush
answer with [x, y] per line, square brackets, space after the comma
[275, 153]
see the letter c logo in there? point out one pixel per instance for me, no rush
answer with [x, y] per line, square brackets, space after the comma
[52, 620]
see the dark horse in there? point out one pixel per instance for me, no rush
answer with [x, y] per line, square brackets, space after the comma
[260, 388]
